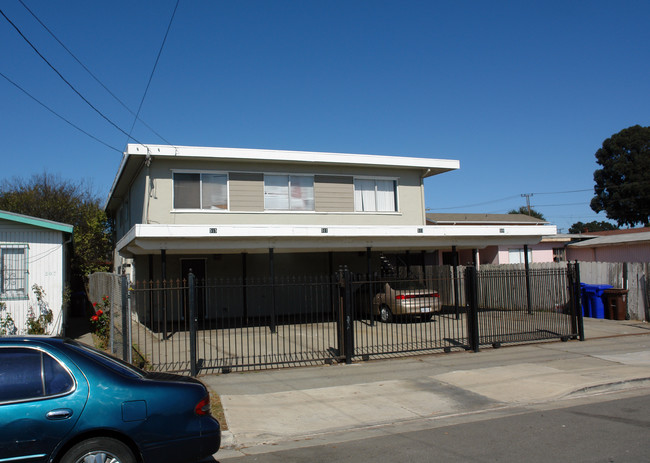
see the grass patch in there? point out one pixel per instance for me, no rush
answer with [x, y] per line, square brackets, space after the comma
[216, 409]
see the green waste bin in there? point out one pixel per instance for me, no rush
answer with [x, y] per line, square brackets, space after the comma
[616, 303]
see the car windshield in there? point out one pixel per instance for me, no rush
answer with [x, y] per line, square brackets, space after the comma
[408, 285]
[113, 363]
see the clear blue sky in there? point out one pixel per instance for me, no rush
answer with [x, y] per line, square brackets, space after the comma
[522, 93]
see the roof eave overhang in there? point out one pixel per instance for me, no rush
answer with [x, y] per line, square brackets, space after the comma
[148, 239]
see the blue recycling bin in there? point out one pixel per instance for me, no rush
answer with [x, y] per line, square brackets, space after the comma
[592, 300]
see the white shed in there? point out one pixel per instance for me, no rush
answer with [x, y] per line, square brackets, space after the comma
[33, 255]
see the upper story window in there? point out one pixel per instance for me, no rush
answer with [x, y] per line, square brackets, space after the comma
[375, 195]
[13, 269]
[289, 192]
[200, 191]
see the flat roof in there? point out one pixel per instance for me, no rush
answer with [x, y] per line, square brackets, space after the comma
[437, 165]
[428, 166]
[36, 222]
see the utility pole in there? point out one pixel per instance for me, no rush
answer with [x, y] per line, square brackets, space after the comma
[527, 196]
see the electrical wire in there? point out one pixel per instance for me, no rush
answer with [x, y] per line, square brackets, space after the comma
[57, 114]
[90, 72]
[563, 204]
[162, 45]
[562, 192]
[65, 80]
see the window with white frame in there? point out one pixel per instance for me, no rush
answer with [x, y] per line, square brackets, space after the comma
[516, 256]
[205, 191]
[13, 268]
[375, 195]
[289, 192]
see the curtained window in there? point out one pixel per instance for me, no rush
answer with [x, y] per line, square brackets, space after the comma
[375, 195]
[289, 192]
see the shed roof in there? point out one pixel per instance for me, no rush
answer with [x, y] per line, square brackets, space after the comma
[36, 222]
[614, 240]
[460, 218]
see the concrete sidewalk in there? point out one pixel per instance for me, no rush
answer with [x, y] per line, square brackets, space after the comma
[296, 406]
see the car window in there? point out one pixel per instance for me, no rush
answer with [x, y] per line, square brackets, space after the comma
[31, 374]
[57, 379]
[407, 285]
[115, 364]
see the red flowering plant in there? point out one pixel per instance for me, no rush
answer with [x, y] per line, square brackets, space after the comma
[100, 322]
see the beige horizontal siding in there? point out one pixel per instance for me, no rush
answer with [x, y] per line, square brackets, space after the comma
[333, 193]
[246, 192]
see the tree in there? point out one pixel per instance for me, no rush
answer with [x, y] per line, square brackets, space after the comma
[47, 196]
[623, 184]
[524, 210]
[593, 226]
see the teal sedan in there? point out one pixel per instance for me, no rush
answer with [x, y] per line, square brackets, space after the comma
[64, 402]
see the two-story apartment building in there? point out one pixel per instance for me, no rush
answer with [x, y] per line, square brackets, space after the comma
[246, 212]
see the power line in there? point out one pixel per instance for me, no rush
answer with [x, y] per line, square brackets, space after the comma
[562, 192]
[64, 79]
[89, 71]
[162, 45]
[57, 114]
[562, 204]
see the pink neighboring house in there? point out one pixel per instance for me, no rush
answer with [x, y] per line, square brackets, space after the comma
[549, 249]
[630, 245]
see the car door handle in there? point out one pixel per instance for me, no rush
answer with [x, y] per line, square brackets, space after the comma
[59, 414]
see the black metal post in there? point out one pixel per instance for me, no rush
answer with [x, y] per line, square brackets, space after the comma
[423, 269]
[272, 275]
[370, 279]
[581, 326]
[348, 336]
[454, 257]
[471, 293]
[244, 289]
[408, 263]
[191, 299]
[527, 270]
[163, 276]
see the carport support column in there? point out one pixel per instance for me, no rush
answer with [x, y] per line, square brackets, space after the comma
[370, 285]
[163, 276]
[191, 282]
[424, 265]
[454, 260]
[272, 275]
[244, 273]
[527, 269]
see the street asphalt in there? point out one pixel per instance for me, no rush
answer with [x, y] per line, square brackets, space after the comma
[272, 409]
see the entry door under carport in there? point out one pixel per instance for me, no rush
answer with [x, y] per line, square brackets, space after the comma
[198, 269]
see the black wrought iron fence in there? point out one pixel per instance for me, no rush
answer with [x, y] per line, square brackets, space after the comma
[521, 306]
[228, 324]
